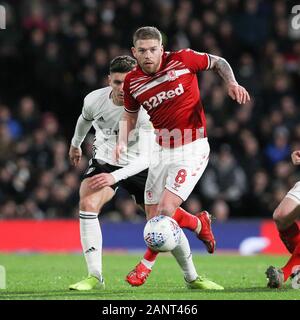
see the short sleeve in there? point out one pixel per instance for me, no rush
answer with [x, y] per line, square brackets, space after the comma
[130, 104]
[86, 111]
[194, 60]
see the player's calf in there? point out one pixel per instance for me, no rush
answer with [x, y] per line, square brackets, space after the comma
[284, 217]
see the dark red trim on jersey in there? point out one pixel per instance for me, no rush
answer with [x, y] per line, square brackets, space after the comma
[131, 111]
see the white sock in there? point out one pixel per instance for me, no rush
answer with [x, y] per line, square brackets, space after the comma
[147, 263]
[183, 255]
[91, 242]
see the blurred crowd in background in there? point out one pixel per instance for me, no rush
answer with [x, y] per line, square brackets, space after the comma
[52, 53]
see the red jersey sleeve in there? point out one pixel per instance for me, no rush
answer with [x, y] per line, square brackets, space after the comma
[130, 104]
[194, 60]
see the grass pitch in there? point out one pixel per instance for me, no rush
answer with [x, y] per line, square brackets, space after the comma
[45, 277]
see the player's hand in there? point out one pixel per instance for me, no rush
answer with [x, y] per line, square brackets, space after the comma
[238, 93]
[75, 155]
[101, 180]
[296, 157]
[119, 149]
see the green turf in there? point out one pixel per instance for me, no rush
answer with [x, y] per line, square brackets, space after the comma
[48, 277]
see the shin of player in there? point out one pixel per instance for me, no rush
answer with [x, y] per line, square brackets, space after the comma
[91, 203]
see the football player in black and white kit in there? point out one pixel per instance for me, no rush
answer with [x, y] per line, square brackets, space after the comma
[103, 110]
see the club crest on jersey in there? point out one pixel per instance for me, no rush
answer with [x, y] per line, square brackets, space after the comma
[172, 75]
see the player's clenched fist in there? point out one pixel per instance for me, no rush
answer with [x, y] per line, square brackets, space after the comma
[75, 155]
[238, 93]
[296, 157]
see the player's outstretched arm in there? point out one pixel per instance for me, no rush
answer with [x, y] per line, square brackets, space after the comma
[223, 68]
[127, 124]
[140, 163]
[102, 180]
[296, 157]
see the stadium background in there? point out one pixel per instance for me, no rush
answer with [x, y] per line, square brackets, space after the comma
[52, 53]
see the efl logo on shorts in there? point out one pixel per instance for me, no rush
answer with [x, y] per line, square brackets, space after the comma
[176, 186]
[2, 278]
[2, 17]
[90, 170]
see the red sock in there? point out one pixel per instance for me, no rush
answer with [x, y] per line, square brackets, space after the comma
[185, 219]
[290, 237]
[150, 255]
[294, 261]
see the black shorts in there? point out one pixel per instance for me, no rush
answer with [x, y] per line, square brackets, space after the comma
[134, 185]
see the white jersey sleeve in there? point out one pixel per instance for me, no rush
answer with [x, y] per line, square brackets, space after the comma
[82, 128]
[85, 120]
[88, 108]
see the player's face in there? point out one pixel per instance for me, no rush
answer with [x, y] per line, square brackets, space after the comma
[148, 54]
[116, 81]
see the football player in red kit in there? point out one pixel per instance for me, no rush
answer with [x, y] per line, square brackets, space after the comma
[285, 216]
[166, 85]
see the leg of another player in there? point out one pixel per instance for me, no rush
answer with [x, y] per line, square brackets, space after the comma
[285, 216]
[91, 202]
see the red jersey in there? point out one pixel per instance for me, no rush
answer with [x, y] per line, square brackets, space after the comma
[171, 96]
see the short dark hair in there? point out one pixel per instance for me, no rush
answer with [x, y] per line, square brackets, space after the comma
[122, 64]
[145, 33]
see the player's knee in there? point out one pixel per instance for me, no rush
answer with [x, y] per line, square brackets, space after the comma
[87, 204]
[166, 209]
[280, 216]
